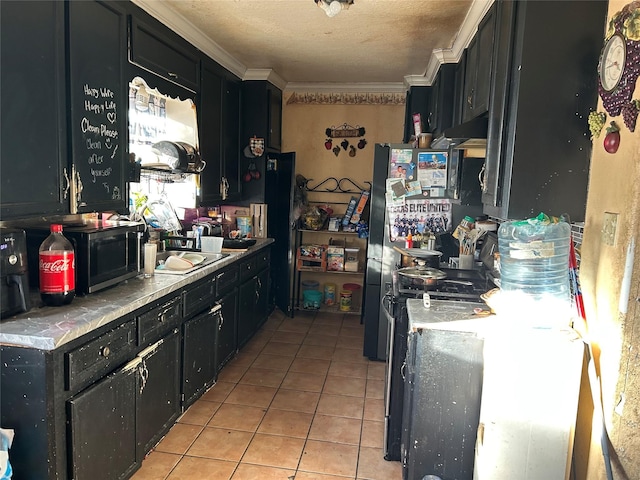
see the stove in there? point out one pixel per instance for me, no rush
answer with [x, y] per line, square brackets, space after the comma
[458, 285]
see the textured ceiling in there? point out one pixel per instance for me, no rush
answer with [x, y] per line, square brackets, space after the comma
[374, 41]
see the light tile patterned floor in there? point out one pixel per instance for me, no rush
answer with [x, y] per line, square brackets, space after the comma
[298, 402]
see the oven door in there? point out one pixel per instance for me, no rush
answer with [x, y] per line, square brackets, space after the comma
[395, 310]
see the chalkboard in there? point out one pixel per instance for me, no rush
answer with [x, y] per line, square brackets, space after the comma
[98, 94]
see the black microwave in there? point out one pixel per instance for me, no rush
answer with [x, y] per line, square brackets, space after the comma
[106, 252]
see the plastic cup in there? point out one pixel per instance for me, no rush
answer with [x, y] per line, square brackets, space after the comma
[150, 251]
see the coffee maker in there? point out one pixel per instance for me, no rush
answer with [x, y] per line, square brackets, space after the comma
[14, 287]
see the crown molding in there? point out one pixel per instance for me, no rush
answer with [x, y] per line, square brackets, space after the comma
[176, 22]
[265, 74]
[345, 87]
[452, 55]
[416, 81]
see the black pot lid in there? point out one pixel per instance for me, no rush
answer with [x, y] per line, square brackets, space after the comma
[422, 272]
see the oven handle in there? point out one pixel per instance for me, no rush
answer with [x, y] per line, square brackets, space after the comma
[386, 300]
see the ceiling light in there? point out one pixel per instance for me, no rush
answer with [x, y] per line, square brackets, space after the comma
[333, 7]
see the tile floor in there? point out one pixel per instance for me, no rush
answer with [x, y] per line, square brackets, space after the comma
[298, 402]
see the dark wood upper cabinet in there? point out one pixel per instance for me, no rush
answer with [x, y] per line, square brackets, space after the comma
[442, 103]
[33, 151]
[418, 101]
[159, 50]
[98, 101]
[68, 134]
[219, 130]
[477, 83]
[538, 146]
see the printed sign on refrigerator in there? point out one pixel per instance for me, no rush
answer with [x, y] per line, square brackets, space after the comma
[432, 169]
[418, 216]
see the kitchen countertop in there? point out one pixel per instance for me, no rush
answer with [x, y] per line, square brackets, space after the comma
[47, 328]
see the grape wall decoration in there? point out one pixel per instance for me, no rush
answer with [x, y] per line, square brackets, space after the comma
[627, 24]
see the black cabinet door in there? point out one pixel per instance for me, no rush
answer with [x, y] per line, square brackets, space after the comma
[210, 131]
[470, 80]
[158, 49]
[477, 83]
[199, 355]
[247, 297]
[102, 426]
[486, 32]
[98, 98]
[227, 340]
[158, 403]
[442, 103]
[274, 136]
[231, 137]
[262, 300]
[418, 101]
[219, 130]
[32, 109]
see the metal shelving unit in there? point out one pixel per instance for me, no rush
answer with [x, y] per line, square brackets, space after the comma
[340, 187]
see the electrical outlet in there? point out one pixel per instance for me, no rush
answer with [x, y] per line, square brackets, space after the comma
[609, 228]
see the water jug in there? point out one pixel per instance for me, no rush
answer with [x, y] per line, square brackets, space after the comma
[534, 269]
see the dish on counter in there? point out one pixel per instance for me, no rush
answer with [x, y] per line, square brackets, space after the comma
[194, 258]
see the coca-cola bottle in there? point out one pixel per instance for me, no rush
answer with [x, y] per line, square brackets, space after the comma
[57, 269]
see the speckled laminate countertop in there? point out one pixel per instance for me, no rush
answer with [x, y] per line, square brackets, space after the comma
[47, 328]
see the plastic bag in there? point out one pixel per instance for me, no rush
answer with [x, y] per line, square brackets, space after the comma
[6, 439]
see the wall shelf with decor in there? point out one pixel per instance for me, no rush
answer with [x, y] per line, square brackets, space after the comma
[326, 253]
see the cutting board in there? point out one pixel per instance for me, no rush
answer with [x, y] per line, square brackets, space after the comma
[234, 250]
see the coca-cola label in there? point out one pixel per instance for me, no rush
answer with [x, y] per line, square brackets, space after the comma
[57, 272]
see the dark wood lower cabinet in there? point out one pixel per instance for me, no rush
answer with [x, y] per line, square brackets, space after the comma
[227, 340]
[199, 355]
[158, 402]
[102, 424]
[115, 422]
[95, 406]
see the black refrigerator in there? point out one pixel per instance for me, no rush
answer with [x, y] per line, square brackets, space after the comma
[382, 259]
[278, 195]
[275, 188]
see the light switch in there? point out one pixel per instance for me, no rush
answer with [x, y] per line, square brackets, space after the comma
[609, 228]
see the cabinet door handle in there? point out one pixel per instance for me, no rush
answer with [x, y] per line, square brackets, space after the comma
[482, 179]
[105, 351]
[172, 75]
[221, 321]
[68, 184]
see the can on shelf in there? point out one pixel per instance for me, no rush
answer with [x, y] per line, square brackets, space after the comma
[345, 300]
[329, 293]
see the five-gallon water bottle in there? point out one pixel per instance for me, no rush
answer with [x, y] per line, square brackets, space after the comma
[57, 269]
[534, 269]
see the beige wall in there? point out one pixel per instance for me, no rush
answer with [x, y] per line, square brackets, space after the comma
[304, 125]
[614, 187]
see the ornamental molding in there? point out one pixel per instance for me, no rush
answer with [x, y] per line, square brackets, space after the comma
[346, 98]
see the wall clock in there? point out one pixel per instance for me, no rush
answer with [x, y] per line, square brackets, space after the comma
[619, 65]
[612, 62]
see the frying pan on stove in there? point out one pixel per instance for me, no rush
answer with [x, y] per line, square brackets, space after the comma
[426, 277]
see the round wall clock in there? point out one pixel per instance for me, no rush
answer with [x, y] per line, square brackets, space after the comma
[619, 65]
[612, 62]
